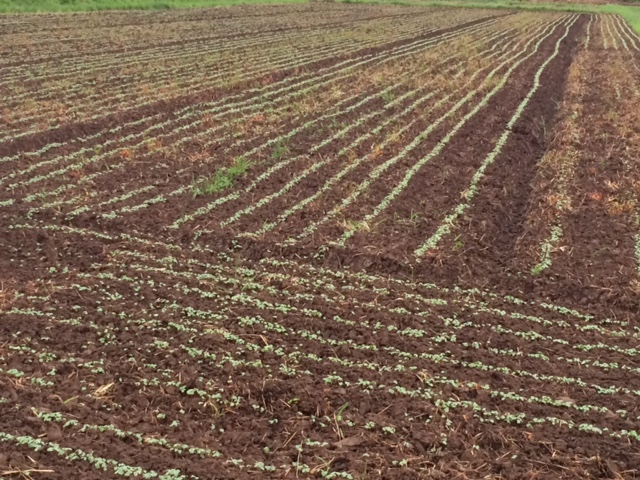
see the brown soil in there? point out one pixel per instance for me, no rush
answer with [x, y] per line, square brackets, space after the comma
[124, 343]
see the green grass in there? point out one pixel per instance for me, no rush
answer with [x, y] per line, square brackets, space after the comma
[26, 6]
[279, 150]
[222, 179]
[630, 13]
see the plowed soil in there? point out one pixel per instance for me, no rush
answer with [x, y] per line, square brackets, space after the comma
[130, 348]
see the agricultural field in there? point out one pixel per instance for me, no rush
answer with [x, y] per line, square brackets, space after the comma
[319, 241]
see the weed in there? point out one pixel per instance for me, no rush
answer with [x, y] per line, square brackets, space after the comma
[280, 149]
[355, 226]
[223, 178]
[388, 96]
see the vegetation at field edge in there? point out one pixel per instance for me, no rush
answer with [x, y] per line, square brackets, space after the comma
[629, 12]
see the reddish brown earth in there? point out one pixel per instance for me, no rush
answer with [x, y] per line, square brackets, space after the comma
[127, 344]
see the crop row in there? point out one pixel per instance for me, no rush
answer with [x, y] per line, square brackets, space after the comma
[83, 24]
[362, 280]
[275, 88]
[184, 79]
[568, 157]
[221, 109]
[150, 39]
[381, 147]
[265, 201]
[539, 334]
[517, 58]
[285, 337]
[270, 141]
[345, 64]
[103, 41]
[213, 72]
[616, 33]
[448, 222]
[168, 85]
[208, 52]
